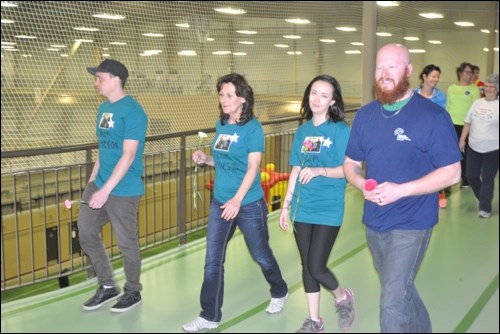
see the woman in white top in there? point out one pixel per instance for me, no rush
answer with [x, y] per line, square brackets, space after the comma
[481, 126]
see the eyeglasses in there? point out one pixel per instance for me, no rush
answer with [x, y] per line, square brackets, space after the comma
[467, 72]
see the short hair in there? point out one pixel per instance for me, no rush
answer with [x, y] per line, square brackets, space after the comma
[493, 79]
[428, 69]
[462, 68]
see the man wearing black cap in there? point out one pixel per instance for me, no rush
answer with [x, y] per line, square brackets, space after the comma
[115, 188]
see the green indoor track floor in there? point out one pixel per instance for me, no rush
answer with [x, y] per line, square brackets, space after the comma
[458, 281]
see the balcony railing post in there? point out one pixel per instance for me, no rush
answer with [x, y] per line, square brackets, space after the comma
[181, 198]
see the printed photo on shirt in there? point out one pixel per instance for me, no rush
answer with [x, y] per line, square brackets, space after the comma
[312, 144]
[105, 122]
[222, 143]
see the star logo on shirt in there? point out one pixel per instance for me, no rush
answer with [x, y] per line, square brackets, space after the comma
[234, 138]
[111, 123]
[327, 142]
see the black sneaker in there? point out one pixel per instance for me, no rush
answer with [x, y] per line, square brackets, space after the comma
[127, 301]
[102, 296]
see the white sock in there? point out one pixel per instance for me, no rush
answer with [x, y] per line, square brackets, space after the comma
[108, 286]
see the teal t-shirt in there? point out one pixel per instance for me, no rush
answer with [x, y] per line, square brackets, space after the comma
[123, 119]
[230, 148]
[322, 199]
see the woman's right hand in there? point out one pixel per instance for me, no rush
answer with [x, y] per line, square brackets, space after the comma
[284, 219]
[199, 157]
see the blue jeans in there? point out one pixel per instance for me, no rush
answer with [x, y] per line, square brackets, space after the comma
[252, 221]
[397, 255]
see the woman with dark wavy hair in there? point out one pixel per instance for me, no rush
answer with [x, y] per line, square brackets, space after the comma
[314, 200]
[238, 201]
[429, 78]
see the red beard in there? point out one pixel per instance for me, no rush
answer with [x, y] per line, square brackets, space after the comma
[391, 96]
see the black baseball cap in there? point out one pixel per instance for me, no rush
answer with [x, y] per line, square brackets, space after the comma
[111, 66]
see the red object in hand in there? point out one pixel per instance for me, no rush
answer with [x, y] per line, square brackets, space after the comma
[370, 184]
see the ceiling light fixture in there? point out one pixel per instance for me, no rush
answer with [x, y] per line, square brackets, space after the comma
[298, 21]
[86, 29]
[152, 34]
[109, 16]
[431, 15]
[346, 28]
[221, 53]
[187, 53]
[25, 37]
[464, 24]
[388, 3]
[8, 4]
[229, 10]
[246, 32]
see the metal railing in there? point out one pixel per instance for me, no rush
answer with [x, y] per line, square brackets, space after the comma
[40, 235]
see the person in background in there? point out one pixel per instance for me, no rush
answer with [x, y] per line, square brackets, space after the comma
[476, 81]
[481, 126]
[408, 145]
[458, 102]
[318, 178]
[429, 78]
[238, 201]
[115, 188]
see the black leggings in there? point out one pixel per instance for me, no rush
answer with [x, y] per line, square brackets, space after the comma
[463, 162]
[315, 243]
[482, 168]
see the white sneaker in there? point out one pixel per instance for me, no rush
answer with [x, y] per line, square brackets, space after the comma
[484, 214]
[199, 324]
[276, 305]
